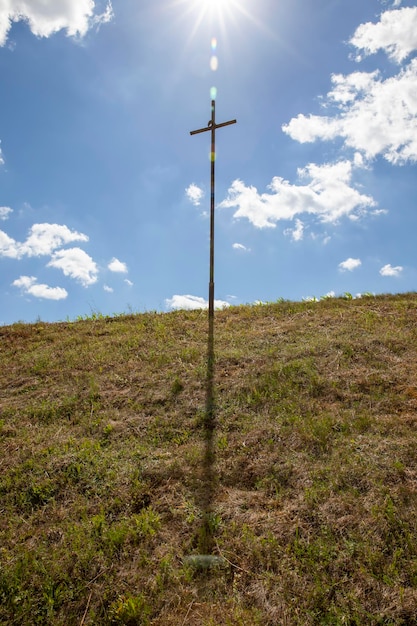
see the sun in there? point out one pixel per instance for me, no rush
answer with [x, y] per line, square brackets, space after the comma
[216, 8]
[218, 15]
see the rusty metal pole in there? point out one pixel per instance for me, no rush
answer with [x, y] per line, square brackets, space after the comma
[212, 126]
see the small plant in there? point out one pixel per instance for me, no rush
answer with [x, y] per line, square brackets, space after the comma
[177, 386]
[130, 611]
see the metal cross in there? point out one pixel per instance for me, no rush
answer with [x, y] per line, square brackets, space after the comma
[212, 126]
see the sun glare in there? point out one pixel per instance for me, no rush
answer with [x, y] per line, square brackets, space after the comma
[218, 20]
[218, 15]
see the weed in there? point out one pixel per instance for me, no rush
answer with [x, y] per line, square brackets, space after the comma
[130, 611]
[177, 386]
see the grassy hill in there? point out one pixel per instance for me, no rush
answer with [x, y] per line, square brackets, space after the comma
[315, 479]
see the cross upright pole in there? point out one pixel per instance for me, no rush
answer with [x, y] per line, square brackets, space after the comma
[206, 542]
[212, 126]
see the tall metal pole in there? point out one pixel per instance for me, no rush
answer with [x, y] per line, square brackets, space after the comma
[212, 126]
[206, 534]
[212, 186]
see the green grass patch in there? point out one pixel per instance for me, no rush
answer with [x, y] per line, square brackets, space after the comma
[103, 448]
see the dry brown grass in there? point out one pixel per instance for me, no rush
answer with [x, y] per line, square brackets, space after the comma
[101, 447]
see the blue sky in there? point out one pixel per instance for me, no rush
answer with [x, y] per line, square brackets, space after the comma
[104, 194]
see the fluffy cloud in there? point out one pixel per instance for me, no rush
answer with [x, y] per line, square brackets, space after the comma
[4, 212]
[350, 264]
[376, 116]
[194, 194]
[30, 286]
[42, 240]
[76, 264]
[108, 289]
[46, 17]
[117, 266]
[388, 270]
[46, 240]
[192, 302]
[328, 194]
[8, 246]
[373, 115]
[395, 33]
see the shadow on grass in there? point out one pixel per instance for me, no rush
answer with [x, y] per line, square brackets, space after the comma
[206, 538]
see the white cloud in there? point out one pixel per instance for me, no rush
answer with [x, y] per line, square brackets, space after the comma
[46, 17]
[8, 246]
[350, 264]
[395, 33]
[194, 194]
[117, 266]
[108, 289]
[76, 264]
[327, 194]
[376, 116]
[42, 239]
[30, 286]
[296, 233]
[240, 246]
[372, 114]
[128, 282]
[4, 212]
[388, 270]
[192, 302]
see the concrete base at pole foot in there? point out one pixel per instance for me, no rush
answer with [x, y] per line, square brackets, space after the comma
[205, 562]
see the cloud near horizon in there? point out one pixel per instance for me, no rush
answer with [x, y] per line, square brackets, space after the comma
[389, 270]
[48, 240]
[48, 17]
[192, 302]
[350, 264]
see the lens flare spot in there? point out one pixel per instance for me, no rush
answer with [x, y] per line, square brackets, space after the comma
[214, 63]
[214, 44]
[213, 93]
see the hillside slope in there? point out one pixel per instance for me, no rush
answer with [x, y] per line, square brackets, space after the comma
[314, 484]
